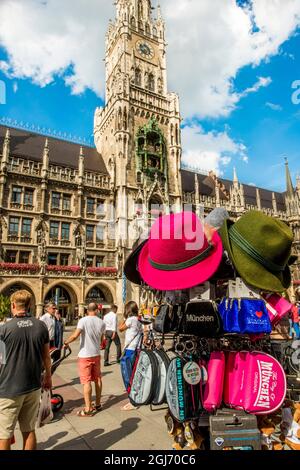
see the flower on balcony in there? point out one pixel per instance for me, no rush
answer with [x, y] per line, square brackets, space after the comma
[92, 270]
[64, 269]
[19, 267]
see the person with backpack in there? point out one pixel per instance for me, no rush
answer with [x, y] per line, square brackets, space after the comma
[133, 329]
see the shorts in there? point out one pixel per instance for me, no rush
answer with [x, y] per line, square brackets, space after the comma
[89, 369]
[24, 409]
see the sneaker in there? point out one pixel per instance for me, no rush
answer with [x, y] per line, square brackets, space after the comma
[106, 364]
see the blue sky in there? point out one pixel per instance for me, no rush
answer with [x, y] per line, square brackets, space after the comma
[253, 132]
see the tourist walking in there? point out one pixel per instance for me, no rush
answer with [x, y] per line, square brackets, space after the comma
[49, 319]
[58, 333]
[133, 334]
[91, 331]
[111, 334]
[294, 322]
[26, 342]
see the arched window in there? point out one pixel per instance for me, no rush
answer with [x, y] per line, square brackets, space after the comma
[125, 119]
[138, 77]
[159, 86]
[172, 134]
[151, 82]
[141, 26]
[177, 134]
[140, 9]
[154, 32]
[132, 22]
[147, 28]
[120, 119]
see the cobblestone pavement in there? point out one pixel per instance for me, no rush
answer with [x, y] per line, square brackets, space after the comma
[110, 429]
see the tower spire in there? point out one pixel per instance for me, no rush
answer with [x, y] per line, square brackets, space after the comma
[235, 177]
[289, 184]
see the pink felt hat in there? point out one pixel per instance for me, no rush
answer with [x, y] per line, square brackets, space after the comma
[178, 255]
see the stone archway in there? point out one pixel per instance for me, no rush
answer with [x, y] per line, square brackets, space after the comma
[99, 293]
[65, 298]
[9, 288]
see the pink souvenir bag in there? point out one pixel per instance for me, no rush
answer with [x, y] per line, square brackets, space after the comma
[278, 307]
[213, 390]
[234, 369]
[254, 382]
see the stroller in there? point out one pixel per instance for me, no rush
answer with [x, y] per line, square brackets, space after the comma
[57, 357]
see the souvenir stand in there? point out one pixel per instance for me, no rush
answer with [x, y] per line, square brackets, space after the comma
[215, 355]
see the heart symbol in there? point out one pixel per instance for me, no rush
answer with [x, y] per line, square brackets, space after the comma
[259, 314]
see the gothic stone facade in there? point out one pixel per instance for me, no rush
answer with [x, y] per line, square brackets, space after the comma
[58, 236]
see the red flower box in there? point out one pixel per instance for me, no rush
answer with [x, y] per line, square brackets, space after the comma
[19, 267]
[102, 270]
[64, 269]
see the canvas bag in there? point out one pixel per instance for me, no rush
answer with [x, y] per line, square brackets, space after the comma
[144, 378]
[184, 400]
[213, 390]
[254, 382]
[45, 414]
[201, 318]
[245, 316]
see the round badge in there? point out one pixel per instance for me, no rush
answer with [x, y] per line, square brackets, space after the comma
[204, 374]
[192, 373]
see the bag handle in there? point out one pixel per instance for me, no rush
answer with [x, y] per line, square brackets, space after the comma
[128, 344]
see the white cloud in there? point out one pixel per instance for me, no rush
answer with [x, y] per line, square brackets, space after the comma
[15, 87]
[212, 40]
[273, 106]
[209, 42]
[262, 82]
[54, 38]
[210, 151]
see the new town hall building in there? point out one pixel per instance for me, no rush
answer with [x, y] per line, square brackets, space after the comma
[59, 236]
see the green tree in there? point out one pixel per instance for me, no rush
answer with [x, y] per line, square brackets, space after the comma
[4, 307]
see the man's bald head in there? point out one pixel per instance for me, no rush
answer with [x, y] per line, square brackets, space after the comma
[92, 308]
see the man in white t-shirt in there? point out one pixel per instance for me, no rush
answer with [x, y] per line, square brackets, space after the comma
[91, 330]
[111, 334]
[49, 319]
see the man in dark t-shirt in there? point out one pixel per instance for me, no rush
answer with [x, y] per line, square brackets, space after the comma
[26, 343]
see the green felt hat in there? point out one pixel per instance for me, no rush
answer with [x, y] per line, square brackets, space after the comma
[260, 249]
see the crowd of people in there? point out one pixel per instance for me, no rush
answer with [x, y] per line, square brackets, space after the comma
[31, 346]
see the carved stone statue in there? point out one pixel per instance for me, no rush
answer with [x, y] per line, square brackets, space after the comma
[120, 261]
[42, 246]
[80, 248]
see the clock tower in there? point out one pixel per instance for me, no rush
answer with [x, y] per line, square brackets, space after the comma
[138, 131]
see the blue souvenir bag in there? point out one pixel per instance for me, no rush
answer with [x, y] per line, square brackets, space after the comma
[245, 316]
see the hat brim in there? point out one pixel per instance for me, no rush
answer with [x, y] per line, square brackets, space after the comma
[184, 278]
[131, 265]
[250, 270]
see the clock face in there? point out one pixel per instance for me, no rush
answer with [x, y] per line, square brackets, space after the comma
[145, 49]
